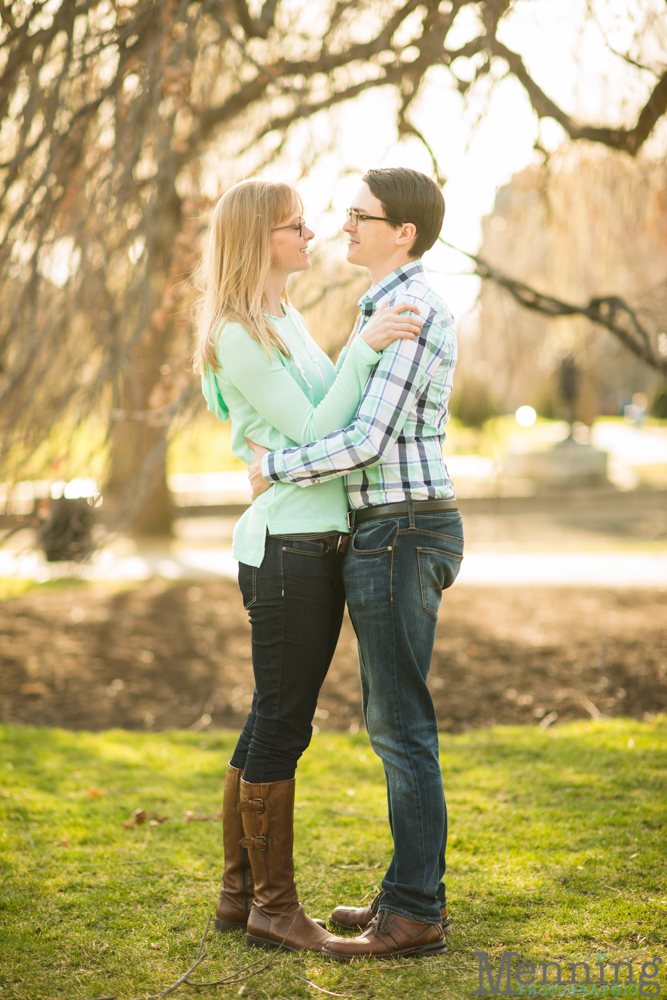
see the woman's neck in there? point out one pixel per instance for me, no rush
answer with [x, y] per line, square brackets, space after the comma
[273, 290]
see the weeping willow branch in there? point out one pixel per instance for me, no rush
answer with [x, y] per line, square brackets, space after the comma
[609, 311]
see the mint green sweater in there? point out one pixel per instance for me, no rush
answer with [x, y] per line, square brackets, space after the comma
[281, 402]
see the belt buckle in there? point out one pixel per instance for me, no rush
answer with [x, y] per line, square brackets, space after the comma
[350, 519]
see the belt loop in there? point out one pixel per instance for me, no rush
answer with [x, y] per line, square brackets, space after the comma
[411, 515]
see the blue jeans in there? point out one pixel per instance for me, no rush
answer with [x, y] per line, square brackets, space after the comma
[295, 601]
[394, 575]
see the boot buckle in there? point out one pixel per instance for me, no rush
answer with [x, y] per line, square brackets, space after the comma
[255, 843]
[252, 805]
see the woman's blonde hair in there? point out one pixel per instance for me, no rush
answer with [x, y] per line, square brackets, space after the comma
[236, 263]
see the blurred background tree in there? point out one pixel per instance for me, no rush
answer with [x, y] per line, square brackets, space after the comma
[114, 118]
[583, 224]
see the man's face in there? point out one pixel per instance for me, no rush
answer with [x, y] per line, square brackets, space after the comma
[370, 242]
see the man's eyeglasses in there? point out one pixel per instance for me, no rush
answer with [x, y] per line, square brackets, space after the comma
[299, 226]
[356, 217]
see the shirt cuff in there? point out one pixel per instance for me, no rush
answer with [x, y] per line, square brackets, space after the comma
[274, 471]
[269, 467]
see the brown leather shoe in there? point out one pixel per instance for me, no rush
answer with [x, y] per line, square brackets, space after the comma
[349, 918]
[233, 907]
[276, 918]
[389, 936]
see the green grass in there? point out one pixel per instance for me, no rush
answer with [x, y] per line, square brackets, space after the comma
[557, 852]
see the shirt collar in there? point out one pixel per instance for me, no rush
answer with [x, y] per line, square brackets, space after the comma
[390, 285]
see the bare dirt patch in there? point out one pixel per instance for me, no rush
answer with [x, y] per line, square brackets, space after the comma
[160, 655]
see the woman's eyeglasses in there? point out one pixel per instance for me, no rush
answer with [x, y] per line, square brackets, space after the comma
[299, 226]
[356, 217]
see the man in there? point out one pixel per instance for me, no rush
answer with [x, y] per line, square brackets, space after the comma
[406, 548]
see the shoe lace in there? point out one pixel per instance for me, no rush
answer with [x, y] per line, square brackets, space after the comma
[376, 903]
[383, 922]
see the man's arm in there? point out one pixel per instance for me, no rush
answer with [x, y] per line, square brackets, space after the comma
[396, 382]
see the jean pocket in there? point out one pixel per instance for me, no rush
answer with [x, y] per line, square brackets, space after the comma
[248, 584]
[437, 571]
[377, 535]
[304, 547]
[447, 527]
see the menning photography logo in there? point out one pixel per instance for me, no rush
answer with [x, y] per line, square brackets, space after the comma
[577, 983]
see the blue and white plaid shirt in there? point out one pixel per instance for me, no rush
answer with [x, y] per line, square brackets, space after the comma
[392, 450]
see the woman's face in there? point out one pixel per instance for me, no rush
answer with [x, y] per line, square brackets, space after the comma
[289, 247]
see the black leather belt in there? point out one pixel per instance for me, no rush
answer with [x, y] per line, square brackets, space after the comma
[356, 517]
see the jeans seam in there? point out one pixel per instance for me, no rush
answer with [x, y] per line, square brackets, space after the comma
[422, 837]
[303, 552]
[391, 574]
[276, 715]
[410, 916]
[254, 589]
[420, 549]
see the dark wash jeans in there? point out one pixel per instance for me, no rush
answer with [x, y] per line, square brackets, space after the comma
[395, 571]
[295, 601]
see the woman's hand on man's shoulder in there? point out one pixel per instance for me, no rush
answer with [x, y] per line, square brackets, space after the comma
[388, 325]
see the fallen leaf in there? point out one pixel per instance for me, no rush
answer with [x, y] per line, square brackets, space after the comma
[36, 689]
[94, 793]
[139, 816]
[158, 820]
[63, 843]
[128, 825]
[191, 817]
[154, 944]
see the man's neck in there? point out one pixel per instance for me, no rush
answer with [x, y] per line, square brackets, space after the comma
[381, 271]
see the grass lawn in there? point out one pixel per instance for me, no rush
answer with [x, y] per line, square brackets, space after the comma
[557, 852]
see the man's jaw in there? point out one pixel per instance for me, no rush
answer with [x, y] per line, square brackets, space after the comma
[353, 248]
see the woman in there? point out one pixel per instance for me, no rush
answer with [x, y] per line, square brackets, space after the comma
[260, 366]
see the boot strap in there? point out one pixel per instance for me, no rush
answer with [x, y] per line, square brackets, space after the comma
[256, 805]
[260, 843]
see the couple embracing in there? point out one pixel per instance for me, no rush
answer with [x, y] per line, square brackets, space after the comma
[351, 502]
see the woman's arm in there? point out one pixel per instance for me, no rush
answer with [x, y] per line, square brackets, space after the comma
[270, 389]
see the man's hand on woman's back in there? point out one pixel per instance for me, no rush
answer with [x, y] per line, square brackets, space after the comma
[258, 483]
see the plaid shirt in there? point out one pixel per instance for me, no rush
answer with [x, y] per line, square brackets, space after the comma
[392, 450]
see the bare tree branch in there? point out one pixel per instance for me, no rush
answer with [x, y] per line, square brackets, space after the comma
[609, 311]
[628, 140]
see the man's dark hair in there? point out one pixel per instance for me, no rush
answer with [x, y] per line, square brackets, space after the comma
[411, 197]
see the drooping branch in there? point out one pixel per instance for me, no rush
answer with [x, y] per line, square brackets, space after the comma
[627, 140]
[610, 311]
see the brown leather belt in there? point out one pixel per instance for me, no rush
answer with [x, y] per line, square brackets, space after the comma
[339, 543]
[356, 517]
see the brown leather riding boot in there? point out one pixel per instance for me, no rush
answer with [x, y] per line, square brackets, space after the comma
[351, 918]
[233, 907]
[276, 918]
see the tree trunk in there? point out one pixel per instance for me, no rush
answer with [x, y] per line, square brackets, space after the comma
[137, 486]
